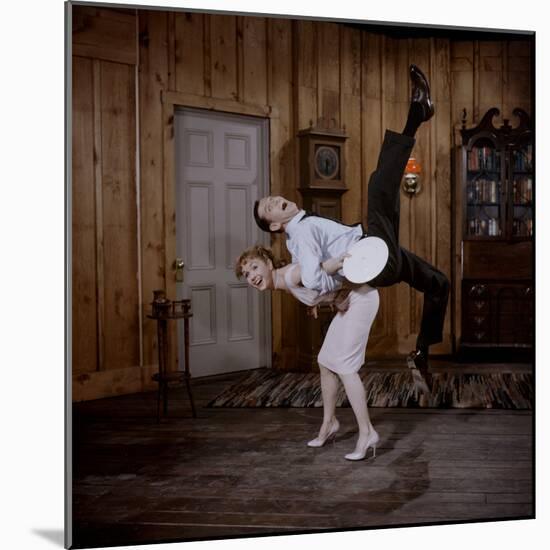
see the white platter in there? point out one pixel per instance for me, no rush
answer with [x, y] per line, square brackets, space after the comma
[367, 259]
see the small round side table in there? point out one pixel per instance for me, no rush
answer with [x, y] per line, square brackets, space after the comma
[163, 311]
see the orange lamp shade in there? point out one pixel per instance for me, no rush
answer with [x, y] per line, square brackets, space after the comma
[413, 166]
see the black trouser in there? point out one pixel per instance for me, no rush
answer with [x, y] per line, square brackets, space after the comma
[403, 265]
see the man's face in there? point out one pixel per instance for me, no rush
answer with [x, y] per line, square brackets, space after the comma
[277, 211]
[258, 273]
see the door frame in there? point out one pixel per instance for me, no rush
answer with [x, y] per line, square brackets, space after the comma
[176, 101]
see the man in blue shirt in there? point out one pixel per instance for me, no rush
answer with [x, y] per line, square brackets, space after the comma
[312, 239]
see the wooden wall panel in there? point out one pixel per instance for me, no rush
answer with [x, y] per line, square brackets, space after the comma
[441, 145]
[462, 80]
[98, 185]
[106, 328]
[517, 84]
[490, 77]
[104, 34]
[328, 64]
[350, 108]
[254, 62]
[169, 210]
[153, 76]
[282, 55]
[189, 55]
[223, 43]
[489, 74]
[305, 114]
[118, 138]
[84, 280]
[283, 170]
[305, 74]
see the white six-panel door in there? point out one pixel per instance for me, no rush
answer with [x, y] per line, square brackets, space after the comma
[221, 169]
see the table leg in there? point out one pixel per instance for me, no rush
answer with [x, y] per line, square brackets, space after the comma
[187, 371]
[161, 351]
[166, 355]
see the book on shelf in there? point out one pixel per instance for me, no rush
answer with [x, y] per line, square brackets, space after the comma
[482, 158]
[522, 189]
[483, 227]
[522, 227]
[523, 159]
[483, 191]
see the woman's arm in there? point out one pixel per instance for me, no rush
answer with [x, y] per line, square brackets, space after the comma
[331, 266]
[295, 275]
[340, 299]
[292, 275]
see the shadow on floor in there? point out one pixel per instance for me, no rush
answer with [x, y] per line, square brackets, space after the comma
[55, 536]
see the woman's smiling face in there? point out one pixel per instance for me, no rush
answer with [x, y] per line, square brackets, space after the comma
[258, 273]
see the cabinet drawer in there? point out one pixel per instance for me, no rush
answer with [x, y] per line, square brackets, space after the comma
[495, 312]
[480, 321]
[476, 335]
[477, 308]
[493, 260]
[476, 299]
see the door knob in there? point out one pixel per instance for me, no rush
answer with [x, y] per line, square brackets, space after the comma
[178, 266]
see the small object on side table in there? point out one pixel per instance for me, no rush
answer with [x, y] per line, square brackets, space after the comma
[164, 310]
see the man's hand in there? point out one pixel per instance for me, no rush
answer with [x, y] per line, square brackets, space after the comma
[332, 265]
[313, 311]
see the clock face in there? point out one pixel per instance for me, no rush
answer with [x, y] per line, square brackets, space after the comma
[327, 161]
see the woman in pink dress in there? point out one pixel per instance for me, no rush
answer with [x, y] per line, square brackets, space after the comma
[343, 351]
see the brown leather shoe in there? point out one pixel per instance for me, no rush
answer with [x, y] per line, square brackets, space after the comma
[421, 93]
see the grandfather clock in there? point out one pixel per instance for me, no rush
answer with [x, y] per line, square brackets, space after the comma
[322, 184]
[322, 170]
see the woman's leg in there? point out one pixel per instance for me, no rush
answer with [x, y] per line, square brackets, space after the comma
[368, 437]
[329, 389]
[358, 401]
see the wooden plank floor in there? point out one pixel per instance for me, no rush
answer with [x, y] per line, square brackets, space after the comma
[234, 472]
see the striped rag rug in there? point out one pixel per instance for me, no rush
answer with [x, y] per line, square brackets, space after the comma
[272, 388]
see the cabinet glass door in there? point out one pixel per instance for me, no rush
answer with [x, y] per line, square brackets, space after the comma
[521, 179]
[483, 192]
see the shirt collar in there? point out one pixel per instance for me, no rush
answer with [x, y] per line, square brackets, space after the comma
[291, 225]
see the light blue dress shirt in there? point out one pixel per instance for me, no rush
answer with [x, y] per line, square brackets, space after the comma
[314, 240]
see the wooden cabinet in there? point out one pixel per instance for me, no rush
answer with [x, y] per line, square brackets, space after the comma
[493, 235]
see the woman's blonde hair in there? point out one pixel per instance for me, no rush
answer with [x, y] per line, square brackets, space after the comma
[260, 252]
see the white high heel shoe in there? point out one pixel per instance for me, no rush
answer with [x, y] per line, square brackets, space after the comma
[319, 441]
[361, 450]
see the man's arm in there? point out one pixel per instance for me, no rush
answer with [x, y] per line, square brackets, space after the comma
[334, 265]
[310, 258]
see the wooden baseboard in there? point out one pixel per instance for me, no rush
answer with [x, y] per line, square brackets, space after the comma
[109, 383]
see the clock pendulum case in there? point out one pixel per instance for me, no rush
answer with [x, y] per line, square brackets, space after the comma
[322, 184]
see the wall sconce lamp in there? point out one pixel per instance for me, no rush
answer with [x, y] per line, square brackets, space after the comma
[411, 177]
